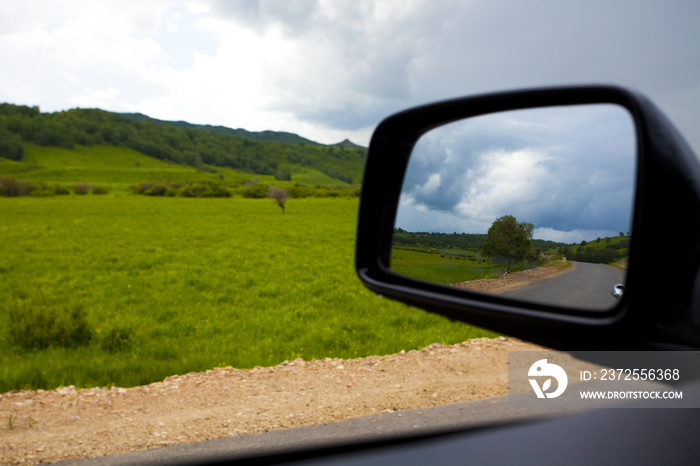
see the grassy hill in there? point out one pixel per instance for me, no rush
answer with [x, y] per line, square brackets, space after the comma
[619, 242]
[117, 168]
[601, 250]
[25, 132]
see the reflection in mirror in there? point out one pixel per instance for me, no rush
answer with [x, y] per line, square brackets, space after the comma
[532, 204]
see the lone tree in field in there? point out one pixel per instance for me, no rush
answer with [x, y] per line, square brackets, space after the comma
[279, 195]
[509, 241]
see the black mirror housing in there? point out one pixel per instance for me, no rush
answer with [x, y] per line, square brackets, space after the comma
[657, 307]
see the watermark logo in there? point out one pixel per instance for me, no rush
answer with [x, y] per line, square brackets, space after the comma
[542, 369]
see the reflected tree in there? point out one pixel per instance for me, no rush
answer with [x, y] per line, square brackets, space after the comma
[509, 241]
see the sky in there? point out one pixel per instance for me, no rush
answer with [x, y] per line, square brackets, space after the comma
[333, 69]
[569, 171]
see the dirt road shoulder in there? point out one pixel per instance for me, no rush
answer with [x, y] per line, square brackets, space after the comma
[48, 426]
[516, 280]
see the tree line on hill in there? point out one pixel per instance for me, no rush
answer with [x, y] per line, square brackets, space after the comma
[508, 242]
[260, 135]
[465, 241]
[197, 146]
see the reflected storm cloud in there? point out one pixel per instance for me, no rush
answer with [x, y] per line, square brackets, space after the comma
[568, 170]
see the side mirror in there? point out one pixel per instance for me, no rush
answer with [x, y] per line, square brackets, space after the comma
[455, 194]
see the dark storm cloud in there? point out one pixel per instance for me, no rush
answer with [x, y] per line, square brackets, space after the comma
[423, 51]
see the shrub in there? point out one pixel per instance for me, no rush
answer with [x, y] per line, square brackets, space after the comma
[12, 187]
[60, 190]
[165, 188]
[40, 191]
[99, 190]
[116, 339]
[190, 191]
[151, 188]
[40, 325]
[257, 191]
[156, 190]
[283, 175]
[299, 191]
[82, 188]
[141, 187]
[215, 190]
[218, 190]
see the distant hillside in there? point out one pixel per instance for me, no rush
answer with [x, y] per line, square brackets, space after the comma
[349, 145]
[279, 136]
[259, 136]
[465, 241]
[118, 168]
[282, 155]
[600, 251]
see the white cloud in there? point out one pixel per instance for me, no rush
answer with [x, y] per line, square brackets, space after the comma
[573, 236]
[502, 180]
[432, 184]
[95, 98]
[331, 70]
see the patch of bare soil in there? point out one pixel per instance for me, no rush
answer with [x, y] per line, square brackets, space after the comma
[48, 426]
[516, 280]
[621, 264]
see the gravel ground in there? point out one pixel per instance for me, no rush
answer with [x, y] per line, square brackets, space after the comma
[48, 426]
[515, 280]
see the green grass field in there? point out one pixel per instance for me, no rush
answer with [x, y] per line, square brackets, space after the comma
[172, 285]
[434, 268]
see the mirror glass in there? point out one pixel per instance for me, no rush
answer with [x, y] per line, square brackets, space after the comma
[532, 204]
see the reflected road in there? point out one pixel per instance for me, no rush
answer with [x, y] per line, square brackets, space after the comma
[587, 286]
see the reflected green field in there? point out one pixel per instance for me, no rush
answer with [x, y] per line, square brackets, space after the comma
[440, 269]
